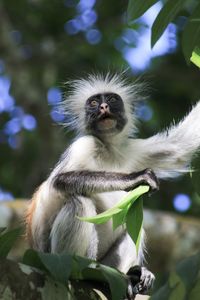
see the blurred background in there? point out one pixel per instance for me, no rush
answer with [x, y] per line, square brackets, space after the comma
[45, 43]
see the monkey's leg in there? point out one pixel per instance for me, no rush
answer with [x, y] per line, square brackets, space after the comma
[123, 257]
[69, 234]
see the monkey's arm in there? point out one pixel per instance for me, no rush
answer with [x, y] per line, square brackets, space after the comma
[89, 182]
[170, 153]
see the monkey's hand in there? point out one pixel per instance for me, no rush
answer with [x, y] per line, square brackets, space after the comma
[146, 176]
[140, 281]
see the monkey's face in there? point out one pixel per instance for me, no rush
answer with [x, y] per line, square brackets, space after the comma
[105, 114]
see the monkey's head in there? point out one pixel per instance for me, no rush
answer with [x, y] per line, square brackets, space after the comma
[101, 105]
[105, 114]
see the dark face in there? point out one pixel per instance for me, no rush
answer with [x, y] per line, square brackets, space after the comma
[105, 114]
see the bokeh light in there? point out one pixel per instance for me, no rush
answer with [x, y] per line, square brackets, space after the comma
[181, 202]
[29, 122]
[144, 112]
[57, 116]
[14, 141]
[137, 49]
[13, 126]
[72, 26]
[93, 36]
[5, 195]
[54, 95]
[84, 21]
[85, 4]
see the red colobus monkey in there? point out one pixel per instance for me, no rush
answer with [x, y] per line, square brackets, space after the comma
[100, 166]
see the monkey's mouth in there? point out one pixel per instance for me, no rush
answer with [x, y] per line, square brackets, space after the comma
[106, 121]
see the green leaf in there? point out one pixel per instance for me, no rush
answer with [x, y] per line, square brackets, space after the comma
[31, 258]
[93, 274]
[165, 16]
[195, 58]
[103, 217]
[59, 266]
[194, 295]
[191, 34]
[79, 264]
[7, 241]
[188, 270]
[133, 195]
[134, 220]
[178, 287]
[124, 204]
[136, 8]
[183, 282]
[120, 218]
[116, 281]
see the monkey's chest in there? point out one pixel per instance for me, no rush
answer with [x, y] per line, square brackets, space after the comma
[106, 235]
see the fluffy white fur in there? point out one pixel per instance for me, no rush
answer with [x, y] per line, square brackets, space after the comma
[168, 154]
[81, 89]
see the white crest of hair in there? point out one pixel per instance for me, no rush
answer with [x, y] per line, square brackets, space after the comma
[82, 89]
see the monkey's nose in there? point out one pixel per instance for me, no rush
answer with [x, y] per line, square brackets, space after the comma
[104, 108]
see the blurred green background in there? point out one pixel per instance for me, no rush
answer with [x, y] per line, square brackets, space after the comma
[45, 43]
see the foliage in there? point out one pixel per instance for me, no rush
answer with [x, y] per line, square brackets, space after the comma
[7, 240]
[64, 267]
[183, 283]
[168, 13]
[128, 211]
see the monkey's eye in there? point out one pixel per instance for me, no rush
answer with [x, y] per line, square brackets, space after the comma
[93, 103]
[112, 99]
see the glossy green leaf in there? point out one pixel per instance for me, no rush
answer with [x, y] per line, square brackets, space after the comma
[7, 241]
[134, 220]
[93, 273]
[183, 283]
[188, 270]
[59, 266]
[191, 34]
[195, 58]
[136, 8]
[116, 281]
[103, 217]
[120, 218]
[195, 292]
[31, 258]
[165, 16]
[78, 265]
[133, 195]
[117, 209]
[177, 286]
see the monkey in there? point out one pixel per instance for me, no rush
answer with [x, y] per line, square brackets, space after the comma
[103, 163]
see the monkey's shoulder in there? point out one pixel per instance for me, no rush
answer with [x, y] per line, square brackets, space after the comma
[81, 153]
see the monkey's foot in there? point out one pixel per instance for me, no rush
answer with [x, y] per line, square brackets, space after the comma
[140, 281]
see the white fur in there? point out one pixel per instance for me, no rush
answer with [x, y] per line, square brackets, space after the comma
[82, 89]
[168, 154]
